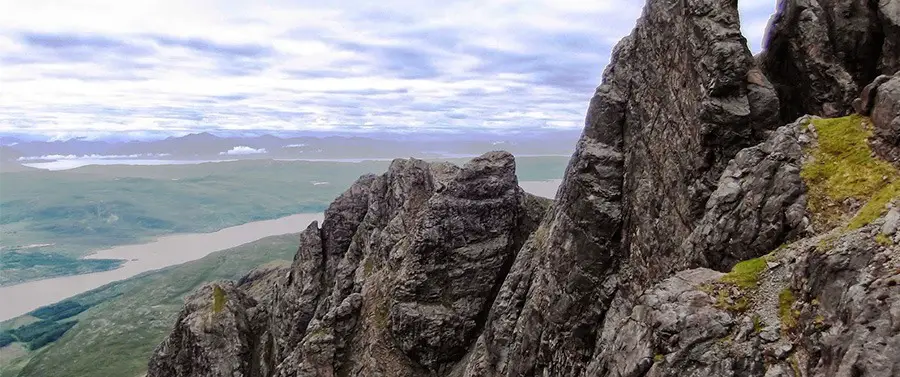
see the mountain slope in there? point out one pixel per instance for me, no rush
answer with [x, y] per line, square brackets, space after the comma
[695, 233]
[115, 337]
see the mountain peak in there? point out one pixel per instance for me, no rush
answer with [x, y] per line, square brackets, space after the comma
[686, 237]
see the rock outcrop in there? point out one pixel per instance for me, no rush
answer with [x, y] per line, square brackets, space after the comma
[680, 241]
[759, 203]
[403, 269]
[213, 336]
[821, 53]
[653, 148]
[881, 101]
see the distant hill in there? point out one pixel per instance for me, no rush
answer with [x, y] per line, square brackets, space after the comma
[208, 146]
[8, 160]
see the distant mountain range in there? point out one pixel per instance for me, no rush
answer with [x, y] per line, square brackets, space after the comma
[207, 146]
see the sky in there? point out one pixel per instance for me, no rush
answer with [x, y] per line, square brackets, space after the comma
[97, 68]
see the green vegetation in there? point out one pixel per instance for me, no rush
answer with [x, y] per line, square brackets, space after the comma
[128, 319]
[842, 168]
[827, 243]
[757, 324]
[319, 332]
[18, 266]
[368, 267]
[218, 299]
[658, 358]
[876, 206]
[725, 301]
[6, 339]
[30, 332]
[883, 240]
[786, 312]
[795, 365]
[59, 310]
[819, 321]
[50, 218]
[745, 274]
[382, 315]
[40, 333]
[51, 335]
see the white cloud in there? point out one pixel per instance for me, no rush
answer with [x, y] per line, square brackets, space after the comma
[57, 157]
[107, 67]
[243, 150]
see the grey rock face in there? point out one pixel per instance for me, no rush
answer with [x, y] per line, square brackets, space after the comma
[881, 101]
[296, 298]
[677, 142]
[397, 281]
[886, 111]
[851, 326]
[439, 270]
[459, 254]
[891, 222]
[645, 154]
[212, 337]
[863, 104]
[674, 329]
[843, 322]
[820, 53]
[759, 203]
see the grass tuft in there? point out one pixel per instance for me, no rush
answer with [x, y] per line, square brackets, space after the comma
[368, 267]
[843, 168]
[757, 324]
[745, 274]
[883, 240]
[219, 299]
[786, 312]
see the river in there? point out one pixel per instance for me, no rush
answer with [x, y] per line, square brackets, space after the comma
[167, 251]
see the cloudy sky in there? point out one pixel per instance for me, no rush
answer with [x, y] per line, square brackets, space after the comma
[96, 67]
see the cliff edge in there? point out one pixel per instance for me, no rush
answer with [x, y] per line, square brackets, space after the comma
[703, 227]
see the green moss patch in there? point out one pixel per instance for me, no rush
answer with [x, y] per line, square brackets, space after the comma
[218, 299]
[842, 167]
[731, 292]
[876, 206]
[786, 312]
[795, 365]
[883, 240]
[368, 266]
[745, 274]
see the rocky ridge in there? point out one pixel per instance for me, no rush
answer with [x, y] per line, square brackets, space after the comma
[821, 53]
[689, 235]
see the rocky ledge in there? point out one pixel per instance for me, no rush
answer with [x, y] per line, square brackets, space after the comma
[702, 228]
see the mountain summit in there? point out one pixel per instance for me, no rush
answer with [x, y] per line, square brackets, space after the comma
[700, 229]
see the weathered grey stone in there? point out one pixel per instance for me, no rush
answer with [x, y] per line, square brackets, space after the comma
[439, 270]
[672, 330]
[891, 222]
[886, 111]
[760, 202]
[854, 328]
[881, 101]
[820, 53]
[863, 105]
[212, 337]
[404, 268]
[646, 153]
